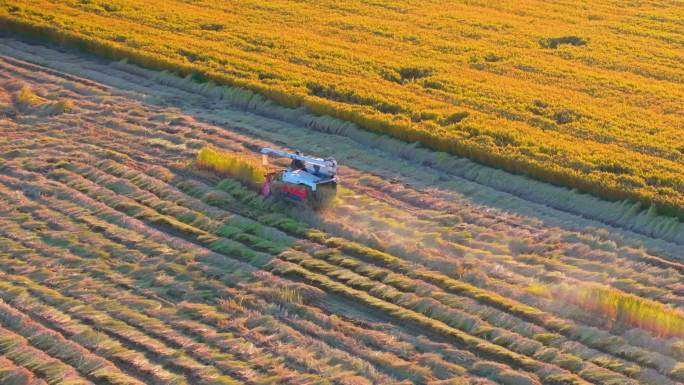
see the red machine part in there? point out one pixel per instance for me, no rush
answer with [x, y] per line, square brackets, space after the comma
[274, 186]
[300, 192]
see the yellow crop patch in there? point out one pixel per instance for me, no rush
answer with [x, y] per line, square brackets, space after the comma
[586, 95]
[242, 168]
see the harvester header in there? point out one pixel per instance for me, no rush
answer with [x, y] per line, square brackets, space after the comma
[307, 179]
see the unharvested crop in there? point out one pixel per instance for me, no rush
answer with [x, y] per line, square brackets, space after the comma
[243, 168]
[585, 99]
[625, 308]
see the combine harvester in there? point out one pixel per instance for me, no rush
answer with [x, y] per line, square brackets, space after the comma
[308, 180]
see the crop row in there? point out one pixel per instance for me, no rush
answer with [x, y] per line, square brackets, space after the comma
[201, 223]
[218, 246]
[552, 323]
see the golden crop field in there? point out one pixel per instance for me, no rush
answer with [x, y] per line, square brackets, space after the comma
[581, 94]
[143, 243]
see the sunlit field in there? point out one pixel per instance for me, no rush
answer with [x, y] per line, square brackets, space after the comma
[140, 245]
[580, 94]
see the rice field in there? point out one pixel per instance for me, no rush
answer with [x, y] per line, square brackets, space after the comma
[123, 262]
[580, 94]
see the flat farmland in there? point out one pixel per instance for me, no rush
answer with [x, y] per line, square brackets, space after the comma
[586, 95]
[122, 263]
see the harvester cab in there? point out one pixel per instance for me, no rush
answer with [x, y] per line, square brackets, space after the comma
[308, 179]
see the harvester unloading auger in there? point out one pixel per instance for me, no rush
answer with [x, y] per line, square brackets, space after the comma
[308, 180]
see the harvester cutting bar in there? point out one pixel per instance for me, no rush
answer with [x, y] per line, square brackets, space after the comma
[324, 164]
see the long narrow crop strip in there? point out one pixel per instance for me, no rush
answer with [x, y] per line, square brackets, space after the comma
[625, 308]
[19, 351]
[236, 166]
[70, 352]
[17, 375]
